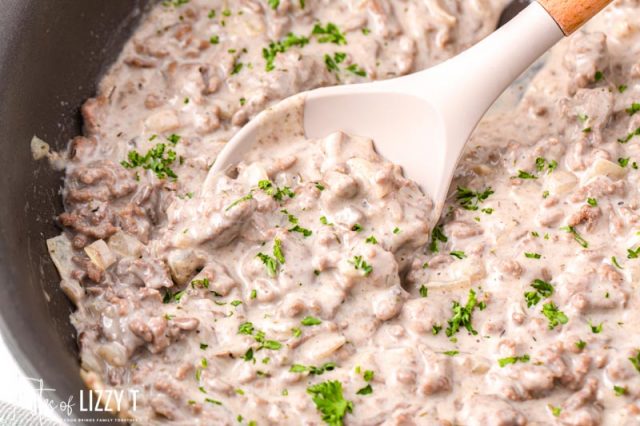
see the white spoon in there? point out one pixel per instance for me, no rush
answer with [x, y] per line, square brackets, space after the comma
[422, 121]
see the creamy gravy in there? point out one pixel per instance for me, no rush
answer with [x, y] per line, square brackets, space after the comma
[308, 286]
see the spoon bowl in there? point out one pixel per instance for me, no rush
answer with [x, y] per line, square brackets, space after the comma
[422, 121]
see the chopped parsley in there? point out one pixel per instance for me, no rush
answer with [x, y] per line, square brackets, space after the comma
[424, 291]
[214, 39]
[270, 263]
[213, 401]
[437, 235]
[203, 346]
[157, 159]
[296, 332]
[254, 294]
[635, 360]
[360, 264]
[634, 108]
[309, 321]
[469, 199]
[248, 355]
[581, 344]
[247, 328]
[237, 67]
[555, 411]
[542, 163]
[368, 375]
[367, 390]
[169, 297]
[316, 371]
[620, 390]
[458, 254]
[576, 235]
[503, 362]
[597, 329]
[355, 69]
[542, 290]
[304, 231]
[273, 4]
[615, 262]
[396, 230]
[277, 250]
[329, 34]
[277, 193]
[356, 228]
[592, 202]
[325, 221]
[435, 329]
[633, 254]
[532, 255]
[462, 315]
[269, 53]
[332, 62]
[174, 3]
[236, 303]
[450, 353]
[247, 197]
[525, 175]
[201, 283]
[329, 401]
[599, 75]
[623, 161]
[622, 88]
[630, 136]
[554, 315]
[371, 240]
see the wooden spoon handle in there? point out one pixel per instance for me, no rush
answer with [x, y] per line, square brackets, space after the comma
[571, 14]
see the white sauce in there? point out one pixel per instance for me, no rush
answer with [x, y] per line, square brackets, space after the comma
[288, 242]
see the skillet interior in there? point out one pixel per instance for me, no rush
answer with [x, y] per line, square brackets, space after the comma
[52, 54]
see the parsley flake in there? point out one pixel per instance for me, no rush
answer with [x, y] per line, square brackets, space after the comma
[330, 33]
[371, 240]
[462, 315]
[554, 315]
[437, 235]
[360, 264]
[503, 362]
[424, 291]
[330, 402]
[634, 108]
[469, 199]
[157, 159]
[458, 254]
[271, 52]
[576, 235]
[309, 321]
